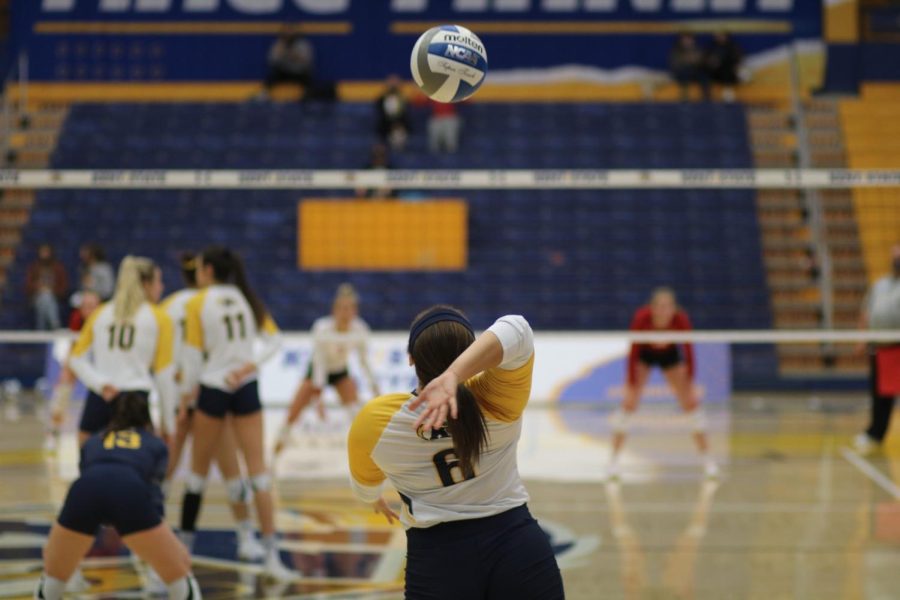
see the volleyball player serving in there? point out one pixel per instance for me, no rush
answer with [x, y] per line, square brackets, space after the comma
[449, 448]
[677, 364]
[333, 339]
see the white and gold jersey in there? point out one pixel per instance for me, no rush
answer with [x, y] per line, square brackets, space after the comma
[331, 348]
[131, 355]
[383, 445]
[175, 306]
[220, 326]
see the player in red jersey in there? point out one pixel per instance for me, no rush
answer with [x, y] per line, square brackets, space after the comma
[677, 364]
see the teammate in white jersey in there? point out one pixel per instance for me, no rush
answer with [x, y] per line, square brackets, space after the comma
[226, 456]
[223, 322]
[127, 345]
[333, 339]
[450, 450]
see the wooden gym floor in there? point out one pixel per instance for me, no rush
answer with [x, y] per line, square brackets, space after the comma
[796, 514]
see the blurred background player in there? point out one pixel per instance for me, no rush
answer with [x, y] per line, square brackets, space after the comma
[334, 337]
[127, 345]
[121, 468]
[88, 301]
[677, 364]
[226, 456]
[881, 310]
[222, 323]
[449, 448]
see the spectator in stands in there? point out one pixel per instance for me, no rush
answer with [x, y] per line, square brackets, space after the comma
[291, 60]
[379, 160]
[723, 61]
[46, 284]
[96, 273]
[881, 310]
[687, 65]
[393, 115]
[443, 128]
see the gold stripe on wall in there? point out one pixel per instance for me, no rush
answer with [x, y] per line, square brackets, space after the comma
[595, 27]
[188, 28]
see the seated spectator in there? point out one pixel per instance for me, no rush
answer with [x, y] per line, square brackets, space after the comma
[46, 284]
[723, 61]
[379, 160]
[686, 64]
[96, 273]
[291, 60]
[393, 115]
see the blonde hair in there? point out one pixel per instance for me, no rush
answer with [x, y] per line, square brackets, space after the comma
[134, 272]
[346, 290]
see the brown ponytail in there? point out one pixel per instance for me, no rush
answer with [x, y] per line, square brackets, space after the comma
[130, 410]
[229, 268]
[433, 351]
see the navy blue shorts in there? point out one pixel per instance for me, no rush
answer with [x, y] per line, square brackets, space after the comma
[333, 378]
[216, 403]
[97, 412]
[504, 557]
[664, 358]
[110, 495]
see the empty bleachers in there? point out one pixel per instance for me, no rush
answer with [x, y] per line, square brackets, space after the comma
[567, 259]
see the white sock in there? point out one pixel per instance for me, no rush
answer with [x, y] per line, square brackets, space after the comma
[49, 588]
[270, 543]
[246, 527]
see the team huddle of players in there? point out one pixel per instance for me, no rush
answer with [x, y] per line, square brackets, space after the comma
[201, 350]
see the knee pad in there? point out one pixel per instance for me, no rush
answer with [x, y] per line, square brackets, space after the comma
[698, 420]
[619, 421]
[261, 482]
[239, 491]
[195, 484]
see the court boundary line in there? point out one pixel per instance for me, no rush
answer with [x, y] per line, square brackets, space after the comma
[869, 470]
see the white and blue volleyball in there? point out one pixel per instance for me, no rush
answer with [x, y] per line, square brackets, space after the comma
[449, 63]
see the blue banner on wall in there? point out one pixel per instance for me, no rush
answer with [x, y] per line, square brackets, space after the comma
[363, 39]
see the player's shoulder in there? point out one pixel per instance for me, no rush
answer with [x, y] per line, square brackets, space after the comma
[177, 299]
[152, 442]
[323, 323]
[383, 408]
[643, 313]
[358, 324]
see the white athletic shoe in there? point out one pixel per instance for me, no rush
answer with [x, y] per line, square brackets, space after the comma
[249, 548]
[155, 585]
[710, 469]
[273, 568]
[863, 444]
[77, 583]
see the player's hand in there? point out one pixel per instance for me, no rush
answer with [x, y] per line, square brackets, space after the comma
[236, 377]
[439, 397]
[57, 417]
[166, 437]
[381, 507]
[108, 392]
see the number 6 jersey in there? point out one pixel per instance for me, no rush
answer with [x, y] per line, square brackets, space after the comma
[383, 445]
[219, 324]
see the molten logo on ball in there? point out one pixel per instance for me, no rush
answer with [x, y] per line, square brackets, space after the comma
[448, 63]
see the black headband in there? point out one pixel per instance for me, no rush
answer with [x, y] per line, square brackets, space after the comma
[430, 318]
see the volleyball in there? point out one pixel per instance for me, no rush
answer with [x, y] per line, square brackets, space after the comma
[448, 63]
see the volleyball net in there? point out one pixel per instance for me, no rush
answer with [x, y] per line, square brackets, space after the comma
[772, 265]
